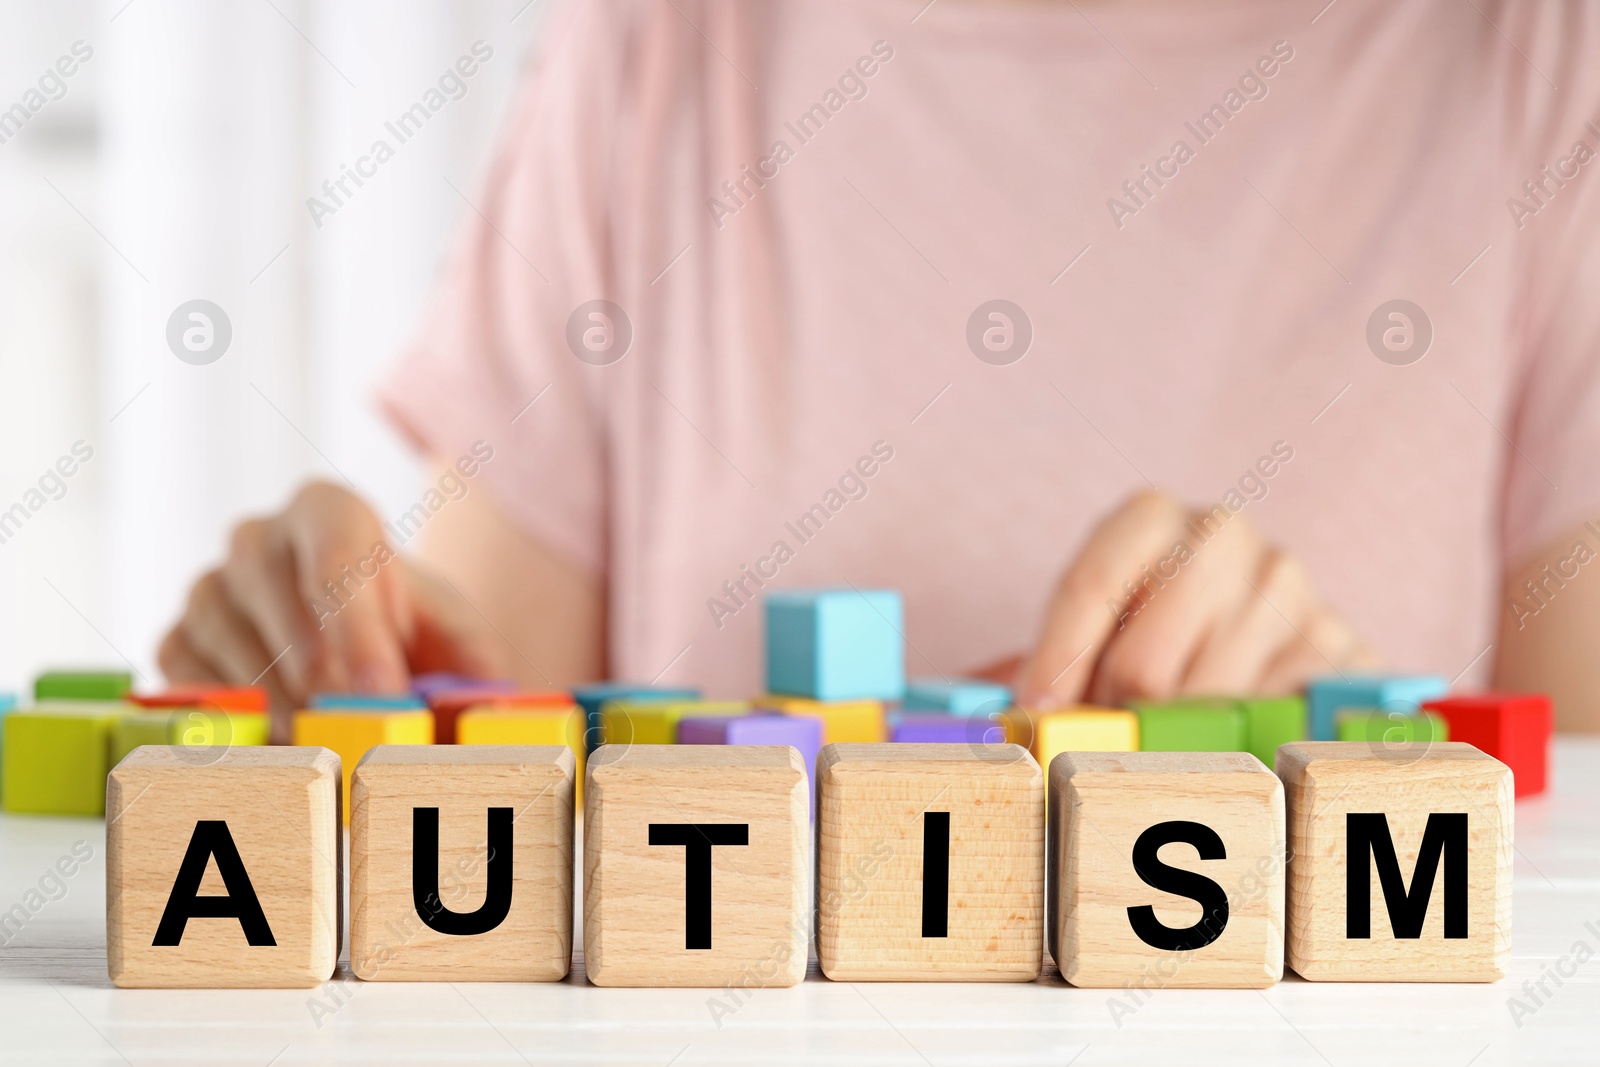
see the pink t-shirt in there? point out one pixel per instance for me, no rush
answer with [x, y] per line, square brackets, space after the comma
[1202, 212]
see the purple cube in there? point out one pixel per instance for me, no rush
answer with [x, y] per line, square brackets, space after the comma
[763, 729]
[915, 729]
[425, 685]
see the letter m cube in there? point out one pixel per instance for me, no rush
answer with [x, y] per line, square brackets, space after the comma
[1399, 861]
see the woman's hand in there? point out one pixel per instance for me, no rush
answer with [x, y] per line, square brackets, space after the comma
[1164, 602]
[315, 599]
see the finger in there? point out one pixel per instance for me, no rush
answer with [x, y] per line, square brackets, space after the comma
[448, 632]
[1087, 603]
[1234, 654]
[259, 579]
[345, 569]
[181, 664]
[1324, 645]
[221, 635]
[1180, 601]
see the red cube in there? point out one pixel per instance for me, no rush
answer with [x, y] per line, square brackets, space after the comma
[448, 704]
[225, 697]
[1514, 728]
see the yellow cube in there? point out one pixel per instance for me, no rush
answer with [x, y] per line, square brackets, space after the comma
[188, 726]
[490, 725]
[351, 733]
[56, 757]
[637, 722]
[1084, 728]
[842, 720]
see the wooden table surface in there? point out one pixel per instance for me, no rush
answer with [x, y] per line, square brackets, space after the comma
[57, 1006]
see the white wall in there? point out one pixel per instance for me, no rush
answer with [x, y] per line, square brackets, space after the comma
[190, 141]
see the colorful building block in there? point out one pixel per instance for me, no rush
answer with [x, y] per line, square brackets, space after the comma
[228, 698]
[1166, 866]
[695, 867]
[960, 696]
[224, 874]
[836, 644]
[929, 863]
[842, 720]
[188, 726]
[1514, 728]
[1198, 725]
[82, 685]
[1273, 721]
[7, 702]
[461, 863]
[1085, 728]
[56, 757]
[447, 706]
[529, 725]
[1327, 696]
[591, 698]
[1400, 862]
[427, 685]
[802, 734]
[350, 733]
[930, 729]
[1389, 728]
[366, 702]
[630, 722]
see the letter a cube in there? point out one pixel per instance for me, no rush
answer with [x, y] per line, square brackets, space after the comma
[1400, 862]
[695, 866]
[930, 863]
[461, 863]
[223, 867]
[1167, 870]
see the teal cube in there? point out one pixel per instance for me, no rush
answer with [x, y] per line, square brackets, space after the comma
[1196, 725]
[82, 685]
[366, 702]
[1328, 696]
[1270, 722]
[836, 644]
[959, 696]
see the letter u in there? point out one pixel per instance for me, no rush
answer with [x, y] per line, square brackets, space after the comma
[425, 875]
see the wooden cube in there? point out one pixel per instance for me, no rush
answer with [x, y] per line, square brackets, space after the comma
[930, 863]
[695, 865]
[1167, 870]
[56, 757]
[1513, 728]
[1400, 862]
[223, 874]
[461, 863]
[351, 733]
[842, 720]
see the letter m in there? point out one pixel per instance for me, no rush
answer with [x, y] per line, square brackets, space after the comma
[1367, 840]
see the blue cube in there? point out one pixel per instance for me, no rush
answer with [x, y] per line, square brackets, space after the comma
[366, 702]
[836, 644]
[960, 696]
[591, 698]
[1327, 696]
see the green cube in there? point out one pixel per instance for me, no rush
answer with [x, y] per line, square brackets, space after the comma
[1200, 725]
[1390, 727]
[138, 728]
[82, 685]
[1273, 721]
[56, 758]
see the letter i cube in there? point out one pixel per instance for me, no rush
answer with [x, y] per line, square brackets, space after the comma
[695, 863]
[929, 863]
[224, 868]
[1400, 862]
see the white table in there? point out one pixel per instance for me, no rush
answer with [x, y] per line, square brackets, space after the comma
[56, 1005]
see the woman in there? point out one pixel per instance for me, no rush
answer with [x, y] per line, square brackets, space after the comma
[1268, 329]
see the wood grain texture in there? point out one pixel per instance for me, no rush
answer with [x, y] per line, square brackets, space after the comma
[1326, 780]
[1100, 805]
[281, 806]
[389, 940]
[635, 926]
[871, 829]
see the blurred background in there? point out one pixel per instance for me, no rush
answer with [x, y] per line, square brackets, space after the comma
[175, 164]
